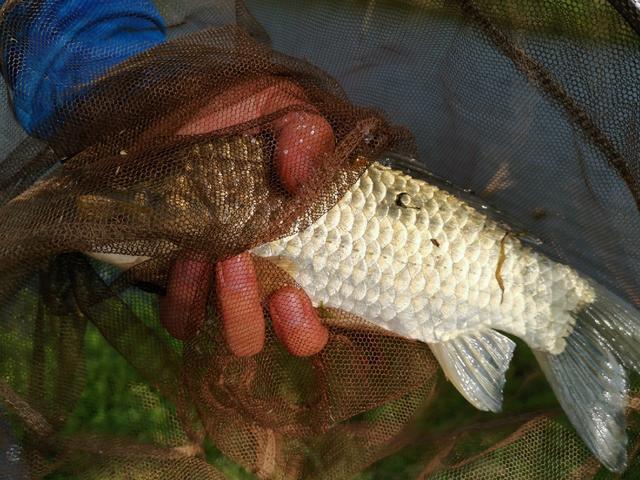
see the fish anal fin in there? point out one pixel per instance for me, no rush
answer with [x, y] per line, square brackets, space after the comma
[476, 364]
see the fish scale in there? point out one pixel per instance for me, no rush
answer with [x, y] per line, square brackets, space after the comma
[419, 261]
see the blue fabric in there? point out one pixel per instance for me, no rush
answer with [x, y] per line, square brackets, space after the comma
[52, 48]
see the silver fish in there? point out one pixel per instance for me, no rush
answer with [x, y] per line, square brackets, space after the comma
[421, 262]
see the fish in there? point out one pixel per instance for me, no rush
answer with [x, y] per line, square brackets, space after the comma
[419, 261]
[423, 262]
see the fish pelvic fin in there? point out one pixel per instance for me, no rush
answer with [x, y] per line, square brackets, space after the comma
[476, 365]
[589, 379]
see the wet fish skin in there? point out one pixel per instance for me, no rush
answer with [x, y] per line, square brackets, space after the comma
[420, 262]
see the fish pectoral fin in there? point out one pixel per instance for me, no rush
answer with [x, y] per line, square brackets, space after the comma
[476, 365]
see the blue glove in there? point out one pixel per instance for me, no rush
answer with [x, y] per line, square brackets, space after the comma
[53, 48]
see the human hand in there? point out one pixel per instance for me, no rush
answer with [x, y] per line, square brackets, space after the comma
[301, 138]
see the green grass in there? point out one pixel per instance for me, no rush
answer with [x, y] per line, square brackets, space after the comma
[525, 391]
[116, 401]
[111, 400]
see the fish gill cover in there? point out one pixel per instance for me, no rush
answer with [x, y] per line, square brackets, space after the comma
[528, 107]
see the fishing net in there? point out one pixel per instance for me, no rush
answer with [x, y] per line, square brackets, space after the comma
[531, 107]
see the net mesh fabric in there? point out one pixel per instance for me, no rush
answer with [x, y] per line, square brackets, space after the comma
[532, 105]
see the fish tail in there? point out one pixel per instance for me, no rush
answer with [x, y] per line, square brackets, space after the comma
[589, 378]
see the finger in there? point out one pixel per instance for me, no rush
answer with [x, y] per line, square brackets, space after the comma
[297, 323]
[183, 308]
[244, 103]
[239, 297]
[302, 138]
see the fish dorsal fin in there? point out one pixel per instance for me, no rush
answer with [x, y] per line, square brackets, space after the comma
[476, 365]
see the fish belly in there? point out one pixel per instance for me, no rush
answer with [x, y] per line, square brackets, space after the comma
[417, 260]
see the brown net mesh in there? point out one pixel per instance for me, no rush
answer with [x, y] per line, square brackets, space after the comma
[531, 105]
